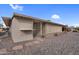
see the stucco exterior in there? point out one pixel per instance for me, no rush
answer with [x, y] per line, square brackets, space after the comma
[24, 34]
[50, 28]
[25, 28]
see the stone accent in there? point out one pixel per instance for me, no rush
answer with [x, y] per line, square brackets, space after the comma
[19, 47]
[3, 51]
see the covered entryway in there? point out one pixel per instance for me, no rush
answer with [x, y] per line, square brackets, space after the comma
[38, 28]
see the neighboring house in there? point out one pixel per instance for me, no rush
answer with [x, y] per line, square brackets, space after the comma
[7, 21]
[1, 30]
[72, 28]
[24, 28]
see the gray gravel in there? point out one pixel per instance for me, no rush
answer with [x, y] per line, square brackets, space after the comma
[65, 44]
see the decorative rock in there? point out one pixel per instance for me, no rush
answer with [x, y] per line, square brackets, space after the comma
[0, 40]
[36, 42]
[28, 44]
[3, 51]
[41, 40]
[19, 47]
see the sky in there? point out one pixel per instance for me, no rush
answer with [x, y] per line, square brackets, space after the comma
[67, 14]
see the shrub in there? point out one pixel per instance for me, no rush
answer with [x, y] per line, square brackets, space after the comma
[55, 34]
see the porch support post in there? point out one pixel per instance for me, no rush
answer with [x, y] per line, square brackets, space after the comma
[41, 33]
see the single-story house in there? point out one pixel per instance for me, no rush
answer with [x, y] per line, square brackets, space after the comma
[24, 28]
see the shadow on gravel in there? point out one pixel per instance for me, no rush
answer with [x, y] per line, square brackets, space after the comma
[2, 33]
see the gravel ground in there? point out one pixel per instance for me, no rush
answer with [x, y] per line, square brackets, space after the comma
[66, 44]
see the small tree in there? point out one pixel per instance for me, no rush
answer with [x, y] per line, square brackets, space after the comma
[49, 20]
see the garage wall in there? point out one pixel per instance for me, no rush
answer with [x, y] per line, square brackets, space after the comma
[21, 35]
[52, 28]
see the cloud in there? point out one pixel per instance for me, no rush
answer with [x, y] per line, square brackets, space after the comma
[55, 16]
[76, 25]
[16, 7]
[62, 23]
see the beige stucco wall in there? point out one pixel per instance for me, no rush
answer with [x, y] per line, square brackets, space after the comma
[21, 35]
[25, 24]
[52, 28]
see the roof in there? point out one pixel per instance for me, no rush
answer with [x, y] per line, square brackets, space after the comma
[7, 21]
[34, 18]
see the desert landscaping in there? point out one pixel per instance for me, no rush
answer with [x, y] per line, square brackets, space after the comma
[62, 44]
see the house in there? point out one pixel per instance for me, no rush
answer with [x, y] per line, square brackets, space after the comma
[24, 28]
[7, 21]
[1, 30]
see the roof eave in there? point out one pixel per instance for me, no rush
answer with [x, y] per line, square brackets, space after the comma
[34, 18]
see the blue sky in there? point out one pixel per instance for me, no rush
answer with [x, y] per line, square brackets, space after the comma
[59, 13]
